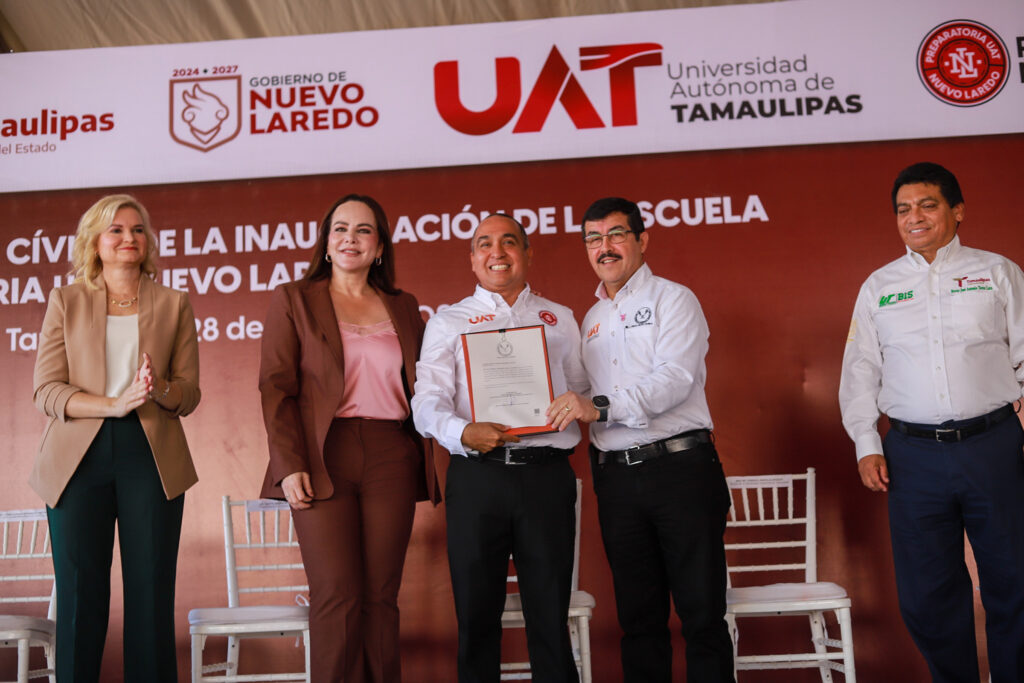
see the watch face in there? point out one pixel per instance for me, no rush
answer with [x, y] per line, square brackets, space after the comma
[601, 402]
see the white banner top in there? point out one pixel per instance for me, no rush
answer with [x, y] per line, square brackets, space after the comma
[785, 73]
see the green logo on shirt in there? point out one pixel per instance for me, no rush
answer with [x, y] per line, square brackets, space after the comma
[890, 299]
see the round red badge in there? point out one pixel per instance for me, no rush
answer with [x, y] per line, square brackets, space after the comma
[548, 317]
[963, 63]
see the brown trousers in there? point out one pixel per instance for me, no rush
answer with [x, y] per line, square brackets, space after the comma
[353, 546]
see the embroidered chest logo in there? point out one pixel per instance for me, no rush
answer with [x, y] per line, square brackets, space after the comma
[969, 284]
[643, 316]
[593, 330]
[548, 317]
[895, 298]
[482, 318]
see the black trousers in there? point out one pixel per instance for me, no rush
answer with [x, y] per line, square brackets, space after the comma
[938, 491]
[528, 511]
[662, 522]
[117, 481]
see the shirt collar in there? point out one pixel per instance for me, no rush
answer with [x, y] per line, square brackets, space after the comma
[638, 280]
[492, 299]
[945, 253]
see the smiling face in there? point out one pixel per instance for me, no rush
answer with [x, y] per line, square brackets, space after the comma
[123, 242]
[500, 258]
[614, 264]
[925, 220]
[352, 240]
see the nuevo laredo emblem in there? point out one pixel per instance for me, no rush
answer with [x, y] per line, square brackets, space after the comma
[963, 63]
[206, 112]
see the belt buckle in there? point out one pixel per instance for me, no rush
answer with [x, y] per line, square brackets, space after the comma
[508, 457]
[626, 453]
[939, 433]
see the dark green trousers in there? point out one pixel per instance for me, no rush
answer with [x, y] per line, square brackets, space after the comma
[117, 481]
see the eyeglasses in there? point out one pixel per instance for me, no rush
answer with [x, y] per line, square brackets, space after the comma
[595, 240]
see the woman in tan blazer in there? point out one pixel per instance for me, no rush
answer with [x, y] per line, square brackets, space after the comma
[336, 373]
[118, 364]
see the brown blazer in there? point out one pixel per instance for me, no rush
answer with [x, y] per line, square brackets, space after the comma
[72, 357]
[302, 381]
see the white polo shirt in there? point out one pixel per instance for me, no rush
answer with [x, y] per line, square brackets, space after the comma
[440, 403]
[933, 342]
[645, 351]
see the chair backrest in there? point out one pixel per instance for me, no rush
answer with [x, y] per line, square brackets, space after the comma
[26, 569]
[261, 550]
[772, 526]
[514, 579]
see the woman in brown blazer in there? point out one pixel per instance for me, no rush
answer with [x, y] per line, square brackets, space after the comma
[118, 365]
[336, 373]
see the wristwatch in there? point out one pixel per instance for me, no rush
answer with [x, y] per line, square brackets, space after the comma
[601, 403]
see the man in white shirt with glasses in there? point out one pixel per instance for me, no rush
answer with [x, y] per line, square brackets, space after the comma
[661, 493]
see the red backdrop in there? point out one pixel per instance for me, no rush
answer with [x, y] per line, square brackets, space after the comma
[777, 294]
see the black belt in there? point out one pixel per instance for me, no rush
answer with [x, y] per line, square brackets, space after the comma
[673, 444]
[522, 456]
[953, 430]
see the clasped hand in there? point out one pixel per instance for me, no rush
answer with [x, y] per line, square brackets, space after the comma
[138, 391]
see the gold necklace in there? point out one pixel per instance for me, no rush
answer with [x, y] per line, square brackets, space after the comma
[124, 303]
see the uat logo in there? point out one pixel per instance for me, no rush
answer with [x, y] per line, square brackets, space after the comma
[556, 83]
[206, 112]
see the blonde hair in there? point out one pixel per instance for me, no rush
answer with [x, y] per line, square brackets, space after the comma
[85, 260]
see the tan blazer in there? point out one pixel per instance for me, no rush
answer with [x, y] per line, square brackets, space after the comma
[72, 357]
[302, 381]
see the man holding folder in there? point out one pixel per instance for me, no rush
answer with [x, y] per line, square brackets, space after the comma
[505, 494]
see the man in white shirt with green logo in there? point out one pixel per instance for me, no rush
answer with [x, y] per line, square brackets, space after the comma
[937, 344]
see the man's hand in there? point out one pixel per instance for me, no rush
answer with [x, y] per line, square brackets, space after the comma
[568, 407]
[486, 436]
[874, 472]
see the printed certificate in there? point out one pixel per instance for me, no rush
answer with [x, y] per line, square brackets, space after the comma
[509, 378]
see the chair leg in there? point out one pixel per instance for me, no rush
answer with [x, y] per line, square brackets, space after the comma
[234, 644]
[734, 636]
[586, 672]
[23, 650]
[846, 634]
[51, 664]
[198, 643]
[574, 641]
[818, 636]
[305, 645]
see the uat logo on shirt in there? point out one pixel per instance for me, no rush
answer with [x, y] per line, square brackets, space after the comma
[482, 318]
[206, 112]
[556, 83]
